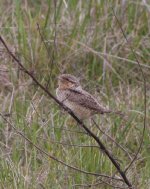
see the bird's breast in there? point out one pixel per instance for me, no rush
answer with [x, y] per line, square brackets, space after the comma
[80, 111]
[60, 94]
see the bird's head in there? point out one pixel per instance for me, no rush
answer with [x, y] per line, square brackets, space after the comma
[68, 81]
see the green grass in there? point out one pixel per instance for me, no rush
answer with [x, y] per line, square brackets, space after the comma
[76, 33]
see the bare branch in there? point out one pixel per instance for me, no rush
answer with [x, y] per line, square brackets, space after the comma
[101, 145]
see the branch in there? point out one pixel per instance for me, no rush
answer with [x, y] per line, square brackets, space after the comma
[101, 145]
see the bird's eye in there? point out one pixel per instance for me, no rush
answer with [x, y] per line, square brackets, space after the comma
[69, 80]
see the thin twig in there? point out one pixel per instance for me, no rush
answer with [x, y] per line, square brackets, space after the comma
[117, 144]
[74, 145]
[47, 50]
[42, 38]
[145, 99]
[99, 183]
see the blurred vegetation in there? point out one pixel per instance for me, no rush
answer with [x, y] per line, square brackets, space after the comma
[82, 38]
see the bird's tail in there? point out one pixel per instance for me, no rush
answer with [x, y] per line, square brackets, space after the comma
[114, 112]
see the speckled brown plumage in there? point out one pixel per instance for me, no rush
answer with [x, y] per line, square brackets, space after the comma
[78, 100]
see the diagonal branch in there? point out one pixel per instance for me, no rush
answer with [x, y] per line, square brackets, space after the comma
[101, 145]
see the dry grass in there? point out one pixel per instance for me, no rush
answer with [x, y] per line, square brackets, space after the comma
[83, 39]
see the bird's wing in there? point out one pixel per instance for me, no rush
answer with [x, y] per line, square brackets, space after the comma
[83, 98]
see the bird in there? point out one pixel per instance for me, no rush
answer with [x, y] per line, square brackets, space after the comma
[79, 101]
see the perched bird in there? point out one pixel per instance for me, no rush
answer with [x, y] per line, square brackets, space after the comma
[71, 94]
